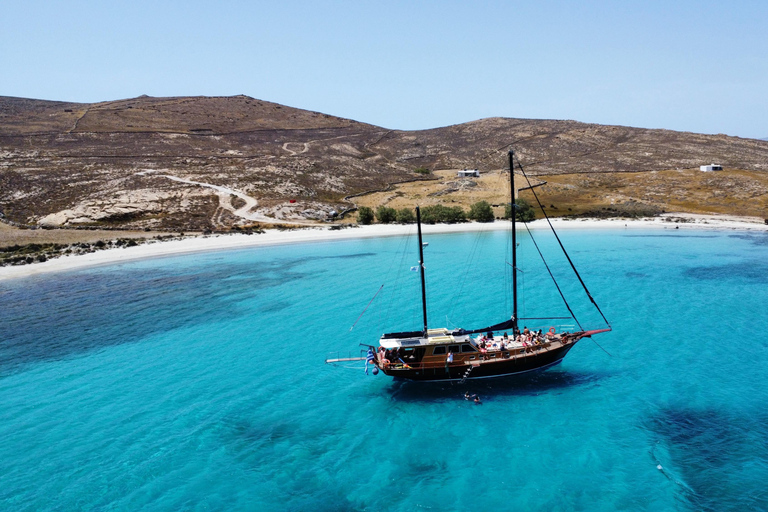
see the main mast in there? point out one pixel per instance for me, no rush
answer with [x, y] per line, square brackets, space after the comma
[513, 213]
[421, 272]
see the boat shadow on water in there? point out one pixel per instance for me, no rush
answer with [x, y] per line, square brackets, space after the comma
[552, 381]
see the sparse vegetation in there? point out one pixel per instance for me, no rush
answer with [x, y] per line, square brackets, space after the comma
[629, 210]
[132, 145]
[30, 253]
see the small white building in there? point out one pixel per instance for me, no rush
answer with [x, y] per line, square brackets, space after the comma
[711, 167]
[469, 173]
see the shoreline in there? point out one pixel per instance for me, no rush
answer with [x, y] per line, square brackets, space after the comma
[208, 243]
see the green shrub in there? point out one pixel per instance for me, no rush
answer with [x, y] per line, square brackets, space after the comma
[385, 215]
[456, 214]
[422, 170]
[481, 212]
[405, 216]
[525, 211]
[428, 215]
[439, 213]
[364, 215]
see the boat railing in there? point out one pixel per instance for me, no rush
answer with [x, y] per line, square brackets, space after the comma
[476, 358]
[558, 328]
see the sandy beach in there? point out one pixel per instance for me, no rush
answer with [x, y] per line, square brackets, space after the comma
[154, 249]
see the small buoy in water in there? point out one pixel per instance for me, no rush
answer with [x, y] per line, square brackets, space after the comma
[658, 466]
[375, 370]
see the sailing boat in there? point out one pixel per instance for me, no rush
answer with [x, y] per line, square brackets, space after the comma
[442, 354]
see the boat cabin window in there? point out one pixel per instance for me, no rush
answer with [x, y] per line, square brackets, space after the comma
[467, 348]
[439, 350]
[454, 349]
[411, 355]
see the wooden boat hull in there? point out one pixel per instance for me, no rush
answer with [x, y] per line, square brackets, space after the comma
[482, 369]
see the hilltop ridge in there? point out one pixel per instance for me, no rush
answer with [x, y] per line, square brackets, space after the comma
[215, 162]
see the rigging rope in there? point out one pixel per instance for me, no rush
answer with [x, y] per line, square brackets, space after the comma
[459, 295]
[601, 348]
[398, 284]
[520, 166]
[552, 276]
[366, 308]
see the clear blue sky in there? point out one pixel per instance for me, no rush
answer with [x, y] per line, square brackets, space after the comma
[699, 66]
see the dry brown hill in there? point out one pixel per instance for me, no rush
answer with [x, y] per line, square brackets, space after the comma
[212, 162]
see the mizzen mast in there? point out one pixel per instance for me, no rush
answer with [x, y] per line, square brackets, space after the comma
[513, 213]
[421, 272]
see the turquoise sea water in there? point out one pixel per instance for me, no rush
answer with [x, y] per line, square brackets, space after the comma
[198, 383]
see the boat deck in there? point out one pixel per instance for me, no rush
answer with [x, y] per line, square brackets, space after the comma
[511, 350]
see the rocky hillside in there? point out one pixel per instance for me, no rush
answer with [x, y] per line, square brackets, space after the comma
[214, 162]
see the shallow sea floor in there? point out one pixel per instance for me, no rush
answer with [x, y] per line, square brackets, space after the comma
[198, 382]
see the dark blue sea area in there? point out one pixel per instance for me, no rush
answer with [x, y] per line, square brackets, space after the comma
[198, 382]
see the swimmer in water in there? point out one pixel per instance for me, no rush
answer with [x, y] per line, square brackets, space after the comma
[477, 400]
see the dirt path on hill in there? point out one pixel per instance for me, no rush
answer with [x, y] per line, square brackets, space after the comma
[294, 153]
[225, 202]
[305, 145]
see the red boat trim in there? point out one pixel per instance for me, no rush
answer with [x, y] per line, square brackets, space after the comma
[586, 334]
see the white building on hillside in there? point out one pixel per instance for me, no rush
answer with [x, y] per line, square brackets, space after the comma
[711, 167]
[469, 173]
